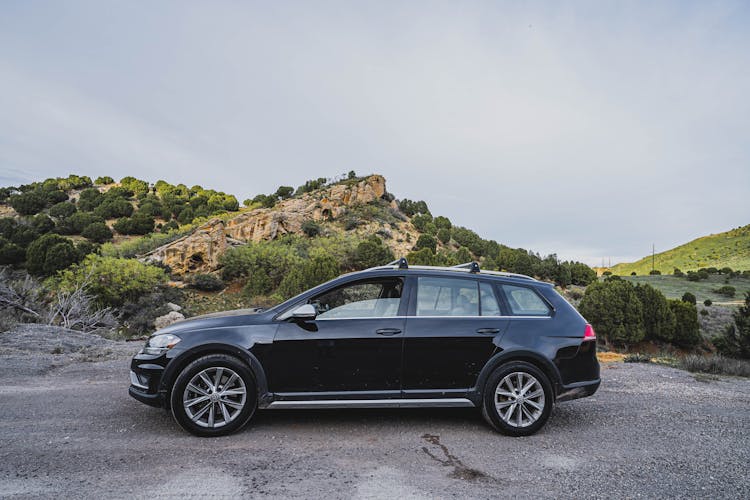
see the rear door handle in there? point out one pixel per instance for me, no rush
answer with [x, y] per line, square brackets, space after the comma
[388, 331]
[488, 330]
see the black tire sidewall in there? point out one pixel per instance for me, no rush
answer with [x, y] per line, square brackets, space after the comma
[214, 360]
[490, 411]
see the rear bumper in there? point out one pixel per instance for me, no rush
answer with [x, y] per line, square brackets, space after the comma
[578, 390]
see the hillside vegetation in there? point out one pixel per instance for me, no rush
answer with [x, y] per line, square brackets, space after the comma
[76, 248]
[728, 249]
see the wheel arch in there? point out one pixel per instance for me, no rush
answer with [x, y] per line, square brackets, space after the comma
[540, 362]
[175, 367]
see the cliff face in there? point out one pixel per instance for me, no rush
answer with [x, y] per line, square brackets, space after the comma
[200, 250]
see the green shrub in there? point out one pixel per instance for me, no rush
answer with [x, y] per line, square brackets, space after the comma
[444, 235]
[112, 280]
[463, 255]
[97, 232]
[207, 282]
[55, 196]
[727, 291]
[654, 272]
[112, 208]
[658, 319]
[707, 302]
[29, 203]
[704, 312]
[423, 257]
[42, 223]
[104, 180]
[420, 221]
[412, 208]
[136, 186]
[62, 210]
[371, 252]
[689, 298]
[50, 253]
[89, 199]
[442, 222]
[687, 329]
[735, 340]
[76, 223]
[614, 310]
[138, 224]
[318, 269]
[10, 253]
[309, 227]
[264, 265]
[426, 241]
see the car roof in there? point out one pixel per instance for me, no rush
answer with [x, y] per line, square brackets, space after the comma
[389, 270]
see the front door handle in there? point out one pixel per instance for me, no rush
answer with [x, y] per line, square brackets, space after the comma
[388, 331]
[488, 330]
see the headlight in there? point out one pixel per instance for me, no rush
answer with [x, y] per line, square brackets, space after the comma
[159, 344]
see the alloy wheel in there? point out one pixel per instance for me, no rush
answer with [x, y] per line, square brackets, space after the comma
[214, 397]
[519, 399]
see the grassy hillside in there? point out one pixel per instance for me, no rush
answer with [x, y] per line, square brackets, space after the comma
[673, 287]
[728, 249]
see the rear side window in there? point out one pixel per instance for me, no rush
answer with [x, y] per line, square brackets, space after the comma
[489, 301]
[524, 301]
[447, 297]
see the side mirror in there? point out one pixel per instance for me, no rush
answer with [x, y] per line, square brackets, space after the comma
[305, 311]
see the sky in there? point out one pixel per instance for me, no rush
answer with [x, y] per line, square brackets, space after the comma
[588, 129]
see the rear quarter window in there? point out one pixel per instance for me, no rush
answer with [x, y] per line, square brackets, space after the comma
[524, 301]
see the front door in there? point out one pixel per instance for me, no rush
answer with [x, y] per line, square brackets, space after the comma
[354, 343]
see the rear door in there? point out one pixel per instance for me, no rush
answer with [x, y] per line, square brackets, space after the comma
[451, 328]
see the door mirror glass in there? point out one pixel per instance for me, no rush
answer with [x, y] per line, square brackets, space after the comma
[305, 311]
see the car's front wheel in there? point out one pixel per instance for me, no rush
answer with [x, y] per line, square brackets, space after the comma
[518, 399]
[214, 395]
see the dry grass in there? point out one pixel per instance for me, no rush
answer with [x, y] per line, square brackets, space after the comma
[610, 357]
[715, 364]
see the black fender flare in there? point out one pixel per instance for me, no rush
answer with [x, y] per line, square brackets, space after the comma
[177, 364]
[505, 356]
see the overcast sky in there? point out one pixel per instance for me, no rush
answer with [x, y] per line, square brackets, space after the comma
[592, 129]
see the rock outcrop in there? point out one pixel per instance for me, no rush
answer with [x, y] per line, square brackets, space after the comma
[200, 250]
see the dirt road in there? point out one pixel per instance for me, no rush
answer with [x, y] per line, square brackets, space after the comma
[69, 429]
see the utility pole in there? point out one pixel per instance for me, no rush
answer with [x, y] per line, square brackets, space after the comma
[653, 256]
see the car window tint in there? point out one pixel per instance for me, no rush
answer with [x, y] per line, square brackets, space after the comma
[364, 299]
[524, 301]
[447, 297]
[489, 301]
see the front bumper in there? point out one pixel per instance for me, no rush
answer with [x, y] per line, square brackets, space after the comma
[145, 379]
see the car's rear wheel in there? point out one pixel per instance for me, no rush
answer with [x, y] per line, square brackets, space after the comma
[214, 395]
[518, 399]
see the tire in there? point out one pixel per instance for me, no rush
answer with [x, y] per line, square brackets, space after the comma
[214, 395]
[501, 407]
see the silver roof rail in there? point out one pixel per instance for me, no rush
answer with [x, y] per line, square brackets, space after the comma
[472, 266]
[468, 267]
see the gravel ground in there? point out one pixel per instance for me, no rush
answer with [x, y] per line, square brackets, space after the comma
[70, 430]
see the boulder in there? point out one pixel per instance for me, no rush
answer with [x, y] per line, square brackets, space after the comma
[168, 319]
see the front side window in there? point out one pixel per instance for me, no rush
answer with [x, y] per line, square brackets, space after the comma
[447, 297]
[364, 299]
[524, 301]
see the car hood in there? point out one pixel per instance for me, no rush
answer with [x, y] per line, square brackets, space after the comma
[236, 317]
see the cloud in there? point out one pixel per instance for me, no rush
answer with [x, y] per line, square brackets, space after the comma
[587, 130]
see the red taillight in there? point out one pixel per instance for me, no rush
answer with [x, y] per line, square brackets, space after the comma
[589, 333]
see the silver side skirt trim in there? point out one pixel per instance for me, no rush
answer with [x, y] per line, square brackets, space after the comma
[373, 403]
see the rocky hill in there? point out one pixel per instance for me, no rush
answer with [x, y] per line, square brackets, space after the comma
[200, 251]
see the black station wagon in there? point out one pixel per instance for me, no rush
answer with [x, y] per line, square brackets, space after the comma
[394, 336]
